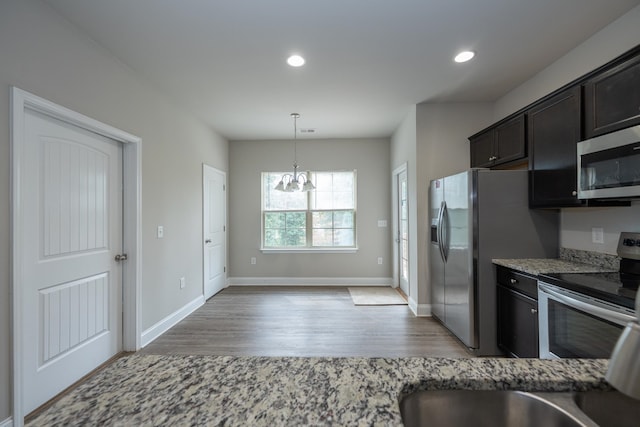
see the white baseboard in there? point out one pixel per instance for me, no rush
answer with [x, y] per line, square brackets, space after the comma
[419, 310]
[310, 281]
[7, 423]
[171, 320]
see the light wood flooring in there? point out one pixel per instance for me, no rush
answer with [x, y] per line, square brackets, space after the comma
[304, 322]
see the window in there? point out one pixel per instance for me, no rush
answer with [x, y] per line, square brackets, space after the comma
[323, 218]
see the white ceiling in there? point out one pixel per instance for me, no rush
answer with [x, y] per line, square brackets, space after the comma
[368, 61]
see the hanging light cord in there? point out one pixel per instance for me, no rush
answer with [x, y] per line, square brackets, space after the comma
[293, 180]
[295, 143]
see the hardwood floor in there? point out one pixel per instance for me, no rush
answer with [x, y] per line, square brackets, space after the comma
[305, 322]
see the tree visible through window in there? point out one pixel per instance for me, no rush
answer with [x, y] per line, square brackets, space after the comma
[323, 218]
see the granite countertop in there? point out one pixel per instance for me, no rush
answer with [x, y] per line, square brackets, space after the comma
[537, 266]
[261, 391]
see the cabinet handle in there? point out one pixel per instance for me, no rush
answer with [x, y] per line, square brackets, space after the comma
[513, 281]
[534, 311]
[574, 193]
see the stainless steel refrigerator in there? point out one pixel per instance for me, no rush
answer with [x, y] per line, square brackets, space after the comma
[476, 216]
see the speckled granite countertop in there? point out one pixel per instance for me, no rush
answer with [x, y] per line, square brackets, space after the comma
[537, 266]
[570, 261]
[145, 390]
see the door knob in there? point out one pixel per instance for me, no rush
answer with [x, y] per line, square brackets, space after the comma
[208, 241]
[534, 311]
[121, 257]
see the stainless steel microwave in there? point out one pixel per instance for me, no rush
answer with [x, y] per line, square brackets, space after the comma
[609, 165]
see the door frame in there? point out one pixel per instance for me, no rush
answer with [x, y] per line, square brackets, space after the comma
[132, 230]
[224, 213]
[394, 219]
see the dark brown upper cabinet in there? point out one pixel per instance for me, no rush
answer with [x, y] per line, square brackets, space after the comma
[499, 144]
[553, 128]
[612, 98]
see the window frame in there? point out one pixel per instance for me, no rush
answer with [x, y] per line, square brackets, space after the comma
[309, 220]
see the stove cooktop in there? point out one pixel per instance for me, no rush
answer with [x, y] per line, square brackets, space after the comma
[605, 286]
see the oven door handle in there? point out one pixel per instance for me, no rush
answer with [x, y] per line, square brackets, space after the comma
[613, 316]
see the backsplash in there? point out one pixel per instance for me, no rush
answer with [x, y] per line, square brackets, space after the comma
[607, 261]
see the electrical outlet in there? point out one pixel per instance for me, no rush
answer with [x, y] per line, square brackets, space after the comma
[160, 232]
[597, 235]
[254, 261]
[382, 223]
[379, 260]
[183, 282]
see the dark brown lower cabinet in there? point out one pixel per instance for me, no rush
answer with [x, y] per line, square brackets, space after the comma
[517, 323]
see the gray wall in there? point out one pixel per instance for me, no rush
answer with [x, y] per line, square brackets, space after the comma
[611, 41]
[403, 151]
[442, 149]
[370, 157]
[433, 141]
[41, 53]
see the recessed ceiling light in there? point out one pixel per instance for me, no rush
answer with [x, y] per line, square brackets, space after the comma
[295, 61]
[464, 56]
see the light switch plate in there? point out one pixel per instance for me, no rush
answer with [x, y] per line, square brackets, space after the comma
[597, 235]
[382, 223]
[160, 232]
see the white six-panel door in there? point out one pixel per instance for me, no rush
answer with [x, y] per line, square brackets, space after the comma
[214, 205]
[72, 285]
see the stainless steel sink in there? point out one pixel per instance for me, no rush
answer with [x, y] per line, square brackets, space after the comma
[609, 408]
[452, 408]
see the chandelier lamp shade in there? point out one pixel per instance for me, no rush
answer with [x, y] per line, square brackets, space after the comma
[298, 180]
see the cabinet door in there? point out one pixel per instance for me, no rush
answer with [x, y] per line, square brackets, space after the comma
[517, 323]
[509, 141]
[481, 147]
[553, 134]
[612, 99]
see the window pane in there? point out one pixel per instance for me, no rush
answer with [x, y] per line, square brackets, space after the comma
[273, 238]
[322, 237]
[333, 228]
[296, 220]
[342, 200]
[285, 229]
[295, 237]
[334, 190]
[343, 219]
[274, 220]
[343, 237]
[322, 220]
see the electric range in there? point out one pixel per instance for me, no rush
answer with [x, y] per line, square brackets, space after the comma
[583, 314]
[609, 287]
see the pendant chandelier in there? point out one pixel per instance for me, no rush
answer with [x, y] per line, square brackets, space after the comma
[293, 182]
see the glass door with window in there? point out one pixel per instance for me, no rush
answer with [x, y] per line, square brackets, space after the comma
[403, 232]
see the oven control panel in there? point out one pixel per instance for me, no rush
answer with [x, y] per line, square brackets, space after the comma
[629, 245]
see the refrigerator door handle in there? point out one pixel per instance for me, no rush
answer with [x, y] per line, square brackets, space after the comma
[439, 231]
[445, 232]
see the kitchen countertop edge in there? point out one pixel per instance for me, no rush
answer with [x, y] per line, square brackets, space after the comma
[538, 266]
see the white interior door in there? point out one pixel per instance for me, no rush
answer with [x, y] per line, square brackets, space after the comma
[214, 205]
[403, 232]
[71, 204]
